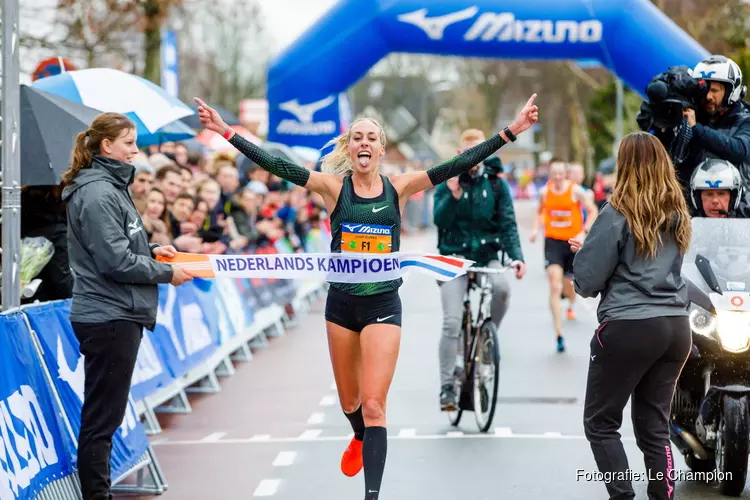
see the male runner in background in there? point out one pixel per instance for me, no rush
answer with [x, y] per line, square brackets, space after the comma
[560, 212]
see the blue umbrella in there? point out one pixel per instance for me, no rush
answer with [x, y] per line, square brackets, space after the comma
[175, 131]
[112, 90]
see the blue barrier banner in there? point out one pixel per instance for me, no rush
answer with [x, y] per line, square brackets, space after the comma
[62, 356]
[214, 311]
[151, 372]
[233, 306]
[249, 292]
[182, 332]
[35, 445]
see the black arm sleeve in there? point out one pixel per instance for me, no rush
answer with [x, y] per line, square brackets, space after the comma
[465, 161]
[277, 166]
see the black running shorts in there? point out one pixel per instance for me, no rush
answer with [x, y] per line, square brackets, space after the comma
[558, 252]
[355, 312]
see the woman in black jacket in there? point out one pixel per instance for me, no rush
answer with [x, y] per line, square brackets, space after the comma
[115, 293]
[632, 258]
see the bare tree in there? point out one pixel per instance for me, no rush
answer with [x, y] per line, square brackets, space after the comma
[224, 50]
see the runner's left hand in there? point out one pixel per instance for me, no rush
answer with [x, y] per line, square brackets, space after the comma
[210, 118]
[167, 251]
[528, 116]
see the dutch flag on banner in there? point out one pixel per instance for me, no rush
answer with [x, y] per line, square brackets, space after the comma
[441, 267]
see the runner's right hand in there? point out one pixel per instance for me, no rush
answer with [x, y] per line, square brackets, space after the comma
[179, 276]
[454, 187]
[210, 118]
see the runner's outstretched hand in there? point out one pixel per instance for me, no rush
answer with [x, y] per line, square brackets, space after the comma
[528, 116]
[210, 118]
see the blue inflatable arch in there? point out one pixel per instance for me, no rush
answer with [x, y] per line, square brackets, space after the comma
[306, 83]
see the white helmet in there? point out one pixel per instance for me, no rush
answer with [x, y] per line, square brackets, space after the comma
[714, 173]
[724, 70]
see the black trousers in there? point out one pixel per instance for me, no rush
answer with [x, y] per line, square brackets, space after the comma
[111, 350]
[642, 359]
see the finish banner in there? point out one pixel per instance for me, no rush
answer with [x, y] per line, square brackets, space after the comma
[345, 267]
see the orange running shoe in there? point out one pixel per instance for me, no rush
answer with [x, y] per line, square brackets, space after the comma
[351, 460]
[571, 314]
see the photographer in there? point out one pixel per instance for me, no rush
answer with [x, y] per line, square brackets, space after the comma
[714, 121]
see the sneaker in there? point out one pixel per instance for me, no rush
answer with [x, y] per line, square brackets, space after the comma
[560, 344]
[351, 460]
[448, 398]
[571, 315]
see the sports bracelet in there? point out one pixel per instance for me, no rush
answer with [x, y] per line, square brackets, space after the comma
[228, 133]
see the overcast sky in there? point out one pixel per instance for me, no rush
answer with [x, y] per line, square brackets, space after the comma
[288, 19]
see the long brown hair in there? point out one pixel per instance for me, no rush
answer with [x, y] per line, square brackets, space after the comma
[648, 194]
[88, 143]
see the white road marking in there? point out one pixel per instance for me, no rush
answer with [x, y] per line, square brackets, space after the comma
[328, 400]
[310, 434]
[404, 433]
[267, 488]
[285, 459]
[316, 418]
[503, 431]
[313, 436]
[260, 437]
[212, 438]
[454, 434]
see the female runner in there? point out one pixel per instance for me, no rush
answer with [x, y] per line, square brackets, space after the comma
[363, 320]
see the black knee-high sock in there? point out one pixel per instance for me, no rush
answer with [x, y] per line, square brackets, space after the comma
[374, 451]
[358, 423]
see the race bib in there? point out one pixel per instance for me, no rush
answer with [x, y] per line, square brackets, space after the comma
[366, 238]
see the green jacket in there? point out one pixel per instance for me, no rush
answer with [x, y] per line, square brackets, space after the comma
[477, 226]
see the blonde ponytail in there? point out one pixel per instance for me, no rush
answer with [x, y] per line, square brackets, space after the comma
[338, 162]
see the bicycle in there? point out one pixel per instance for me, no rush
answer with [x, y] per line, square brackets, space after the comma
[478, 338]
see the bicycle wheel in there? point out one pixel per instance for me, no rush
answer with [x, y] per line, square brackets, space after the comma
[454, 417]
[486, 375]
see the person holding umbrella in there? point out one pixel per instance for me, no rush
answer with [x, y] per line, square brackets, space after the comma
[115, 293]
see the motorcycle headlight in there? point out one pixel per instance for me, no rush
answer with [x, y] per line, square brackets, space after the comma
[734, 330]
[701, 321]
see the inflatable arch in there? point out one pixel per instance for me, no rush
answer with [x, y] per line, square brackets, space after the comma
[306, 83]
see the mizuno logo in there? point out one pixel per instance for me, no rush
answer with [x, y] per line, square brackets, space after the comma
[707, 74]
[365, 229]
[134, 227]
[305, 114]
[504, 27]
[376, 210]
[714, 184]
[435, 26]
[592, 357]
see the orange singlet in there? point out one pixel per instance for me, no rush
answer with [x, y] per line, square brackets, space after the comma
[562, 214]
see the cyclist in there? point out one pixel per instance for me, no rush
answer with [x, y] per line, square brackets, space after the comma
[475, 219]
[560, 211]
[716, 190]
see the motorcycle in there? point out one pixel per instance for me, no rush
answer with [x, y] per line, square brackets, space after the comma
[710, 422]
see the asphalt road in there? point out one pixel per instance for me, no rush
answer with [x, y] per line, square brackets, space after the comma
[275, 430]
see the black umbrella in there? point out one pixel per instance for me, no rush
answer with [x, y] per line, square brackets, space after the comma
[49, 125]
[194, 122]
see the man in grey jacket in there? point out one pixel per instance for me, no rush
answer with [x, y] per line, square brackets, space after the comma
[115, 294]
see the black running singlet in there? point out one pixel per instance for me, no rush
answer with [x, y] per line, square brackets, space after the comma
[366, 225]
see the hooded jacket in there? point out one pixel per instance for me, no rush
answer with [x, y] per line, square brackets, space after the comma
[115, 274]
[481, 223]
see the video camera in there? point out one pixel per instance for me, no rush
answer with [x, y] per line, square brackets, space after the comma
[669, 94]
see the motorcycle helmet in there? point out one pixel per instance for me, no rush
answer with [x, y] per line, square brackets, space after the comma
[724, 70]
[714, 173]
